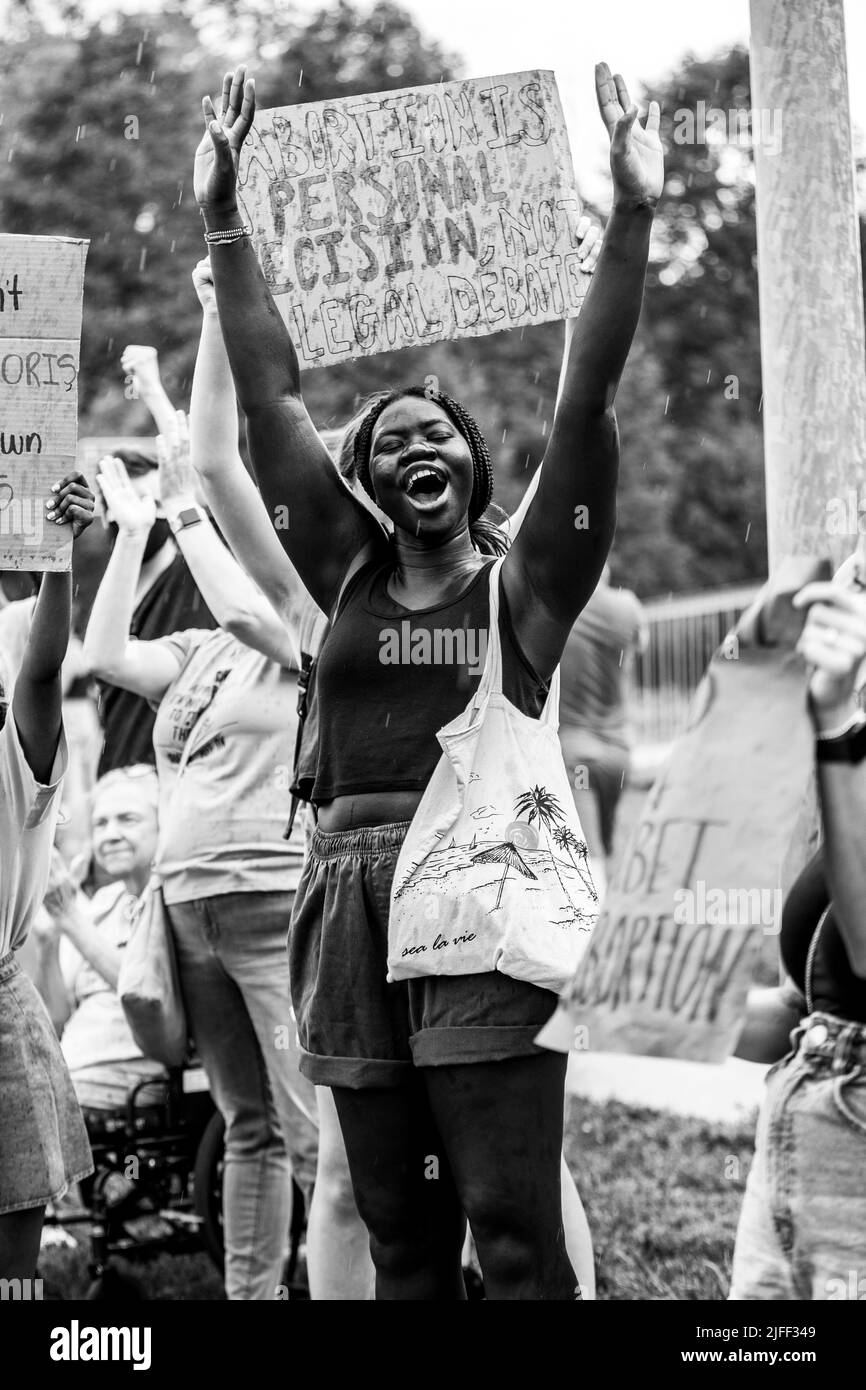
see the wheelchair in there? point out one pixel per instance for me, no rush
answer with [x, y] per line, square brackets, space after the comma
[157, 1185]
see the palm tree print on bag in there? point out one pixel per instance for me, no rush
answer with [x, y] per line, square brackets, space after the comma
[543, 806]
[519, 851]
[567, 840]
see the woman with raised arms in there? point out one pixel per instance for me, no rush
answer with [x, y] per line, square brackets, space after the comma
[442, 1067]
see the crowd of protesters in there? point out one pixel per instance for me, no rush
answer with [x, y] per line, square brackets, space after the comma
[258, 760]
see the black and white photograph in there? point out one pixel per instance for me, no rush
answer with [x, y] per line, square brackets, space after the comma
[432, 671]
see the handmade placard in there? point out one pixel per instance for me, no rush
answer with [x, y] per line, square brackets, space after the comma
[410, 217]
[668, 967]
[41, 292]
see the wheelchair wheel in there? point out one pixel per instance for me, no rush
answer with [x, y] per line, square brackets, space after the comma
[208, 1187]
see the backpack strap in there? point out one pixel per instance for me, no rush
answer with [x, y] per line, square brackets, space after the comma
[308, 661]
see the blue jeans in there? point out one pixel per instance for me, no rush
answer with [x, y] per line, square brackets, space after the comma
[802, 1230]
[234, 972]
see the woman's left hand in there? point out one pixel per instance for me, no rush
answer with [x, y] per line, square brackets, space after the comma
[636, 155]
[833, 641]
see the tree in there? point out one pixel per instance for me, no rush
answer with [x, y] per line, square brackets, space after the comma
[701, 316]
[100, 123]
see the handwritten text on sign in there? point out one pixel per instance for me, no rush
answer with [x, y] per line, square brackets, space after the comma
[669, 964]
[41, 289]
[410, 217]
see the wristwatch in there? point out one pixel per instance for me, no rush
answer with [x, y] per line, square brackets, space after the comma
[190, 516]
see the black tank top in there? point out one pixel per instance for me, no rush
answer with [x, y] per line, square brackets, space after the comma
[389, 677]
[835, 987]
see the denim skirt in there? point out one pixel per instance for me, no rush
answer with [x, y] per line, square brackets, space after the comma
[802, 1229]
[43, 1142]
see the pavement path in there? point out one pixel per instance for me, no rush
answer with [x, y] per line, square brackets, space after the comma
[726, 1094]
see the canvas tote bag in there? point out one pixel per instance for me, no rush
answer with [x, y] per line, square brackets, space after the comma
[493, 872]
[149, 984]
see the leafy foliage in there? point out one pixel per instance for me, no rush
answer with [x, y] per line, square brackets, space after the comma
[100, 124]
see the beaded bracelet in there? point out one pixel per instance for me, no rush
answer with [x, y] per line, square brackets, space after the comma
[227, 236]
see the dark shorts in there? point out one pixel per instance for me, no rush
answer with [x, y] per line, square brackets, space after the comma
[355, 1028]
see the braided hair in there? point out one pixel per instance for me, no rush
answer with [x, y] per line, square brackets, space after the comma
[486, 535]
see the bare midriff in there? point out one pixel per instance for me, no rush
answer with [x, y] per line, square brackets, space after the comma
[367, 808]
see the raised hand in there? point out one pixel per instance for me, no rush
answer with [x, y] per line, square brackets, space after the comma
[71, 503]
[216, 159]
[62, 890]
[833, 641]
[142, 365]
[202, 279]
[131, 512]
[177, 479]
[636, 155]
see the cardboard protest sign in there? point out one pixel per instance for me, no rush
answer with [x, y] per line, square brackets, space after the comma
[411, 217]
[669, 964]
[41, 291]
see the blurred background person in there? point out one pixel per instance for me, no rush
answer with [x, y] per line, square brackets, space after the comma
[802, 1228]
[338, 1254]
[79, 944]
[593, 712]
[43, 1142]
[225, 726]
[167, 598]
[80, 718]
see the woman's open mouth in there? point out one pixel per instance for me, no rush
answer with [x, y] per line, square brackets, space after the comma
[425, 485]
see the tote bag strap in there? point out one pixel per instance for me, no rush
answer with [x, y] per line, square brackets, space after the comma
[491, 676]
[491, 679]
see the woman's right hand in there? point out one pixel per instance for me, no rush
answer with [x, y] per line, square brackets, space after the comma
[216, 159]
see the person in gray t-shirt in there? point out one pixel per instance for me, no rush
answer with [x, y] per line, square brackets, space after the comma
[593, 714]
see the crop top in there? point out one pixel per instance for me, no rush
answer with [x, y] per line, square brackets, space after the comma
[388, 678]
[835, 987]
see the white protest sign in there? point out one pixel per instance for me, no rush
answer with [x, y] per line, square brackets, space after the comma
[412, 217]
[41, 290]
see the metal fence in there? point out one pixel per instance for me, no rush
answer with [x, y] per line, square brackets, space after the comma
[683, 634]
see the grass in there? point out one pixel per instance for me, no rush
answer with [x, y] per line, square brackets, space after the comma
[662, 1209]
